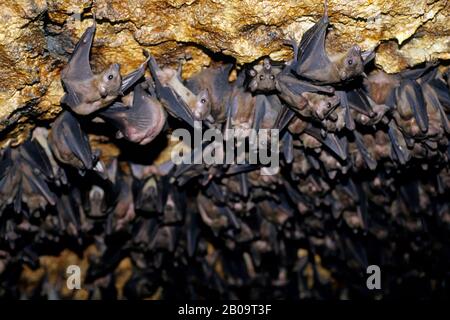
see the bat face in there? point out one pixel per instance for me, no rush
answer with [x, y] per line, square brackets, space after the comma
[110, 81]
[263, 77]
[202, 105]
[352, 64]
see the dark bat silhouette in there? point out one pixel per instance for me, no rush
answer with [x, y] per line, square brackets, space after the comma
[141, 122]
[179, 101]
[87, 92]
[70, 144]
[314, 63]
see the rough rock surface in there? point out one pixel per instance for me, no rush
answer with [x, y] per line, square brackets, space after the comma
[37, 36]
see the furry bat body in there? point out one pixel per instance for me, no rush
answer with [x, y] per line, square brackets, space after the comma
[87, 92]
[179, 101]
[314, 63]
[141, 122]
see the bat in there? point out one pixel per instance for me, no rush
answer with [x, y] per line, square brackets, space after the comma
[179, 101]
[58, 175]
[263, 77]
[139, 123]
[436, 95]
[87, 92]
[215, 81]
[69, 144]
[399, 149]
[314, 63]
[337, 146]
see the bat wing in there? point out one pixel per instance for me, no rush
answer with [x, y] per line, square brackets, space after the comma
[358, 100]
[284, 117]
[331, 141]
[288, 147]
[70, 98]
[432, 99]
[174, 105]
[399, 150]
[76, 139]
[348, 119]
[241, 168]
[130, 79]
[35, 155]
[312, 56]
[297, 86]
[78, 67]
[261, 106]
[116, 114]
[368, 159]
[410, 94]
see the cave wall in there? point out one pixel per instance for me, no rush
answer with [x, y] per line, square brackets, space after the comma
[37, 37]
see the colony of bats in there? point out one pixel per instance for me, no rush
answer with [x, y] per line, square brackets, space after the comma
[364, 180]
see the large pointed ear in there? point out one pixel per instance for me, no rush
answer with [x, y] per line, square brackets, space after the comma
[368, 56]
[78, 67]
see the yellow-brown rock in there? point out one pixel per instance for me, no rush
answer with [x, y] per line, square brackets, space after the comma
[37, 36]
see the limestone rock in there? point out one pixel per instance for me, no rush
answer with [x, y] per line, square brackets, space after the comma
[37, 37]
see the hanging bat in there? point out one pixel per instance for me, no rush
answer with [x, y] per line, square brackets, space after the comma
[58, 175]
[87, 92]
[215, 81]
[69, 144]
[314, 63]
[179, 101]
[336, 145]
[141, 122]
[263, 77]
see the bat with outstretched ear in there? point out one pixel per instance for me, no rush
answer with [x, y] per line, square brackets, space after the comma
[87, 92]
[139, 123]
[69, 144]
[314, 63]
[215, 81]
[179, 101]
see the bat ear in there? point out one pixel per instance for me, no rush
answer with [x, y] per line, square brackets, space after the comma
[367, 56]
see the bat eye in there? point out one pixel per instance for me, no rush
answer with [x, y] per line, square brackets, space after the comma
[350, 62]
[110, 77]
[261, 77]
[272, 77]
[203, 101]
